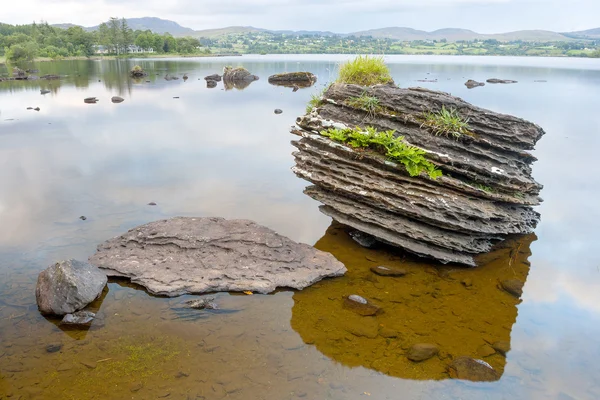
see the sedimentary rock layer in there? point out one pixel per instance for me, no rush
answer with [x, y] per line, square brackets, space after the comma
[197, 255]
[486, 191]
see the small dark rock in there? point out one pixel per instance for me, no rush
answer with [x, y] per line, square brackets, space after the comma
[117, 99]
[44, 91]
[203, 303]
[213, 77]
[513, 286]
[211, 84]
[136, 387]
[182, 374]
[90, 100]
[295, 88]
[36, 109]
[54, 347]
[467, 282]
[388, 271]
[361, 306]
[152, 203]
[83, 218]
[473, 370]
[422, 352]
[175, 97]
[30, 108]
[278, 111]
[470, 84]
[503, 81]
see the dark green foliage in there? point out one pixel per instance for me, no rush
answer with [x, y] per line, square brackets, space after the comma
[393, 147]
[446, 122]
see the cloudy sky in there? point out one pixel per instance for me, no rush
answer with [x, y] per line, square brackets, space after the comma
[485, 16]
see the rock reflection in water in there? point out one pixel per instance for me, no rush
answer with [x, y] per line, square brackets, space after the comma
[462, 311]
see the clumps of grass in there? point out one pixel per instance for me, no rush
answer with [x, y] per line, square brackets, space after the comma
[483, 187]
[366, 103]
[365, 71]
[393, 147]
[447, 122]
[315, 100]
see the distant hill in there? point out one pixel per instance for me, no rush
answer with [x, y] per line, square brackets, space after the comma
[454, 34]
[212, 33]
[161, 26]
[589, 34]
[156, 25]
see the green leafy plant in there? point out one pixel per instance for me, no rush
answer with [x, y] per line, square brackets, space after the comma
[393, 147]
[447, 122]
[315, 100]
[366, 103]
[365, 71]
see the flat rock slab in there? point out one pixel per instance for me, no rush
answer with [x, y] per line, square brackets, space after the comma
[197, 255]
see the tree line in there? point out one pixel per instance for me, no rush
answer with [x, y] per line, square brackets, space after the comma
[27, 42]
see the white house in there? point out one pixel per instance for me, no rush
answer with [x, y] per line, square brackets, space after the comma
[136, 49]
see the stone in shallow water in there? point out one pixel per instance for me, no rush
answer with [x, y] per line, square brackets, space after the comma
[422, 352]
[68, 286]
[54, 347]
[78, 318]
[513, 286]
[388, 271]
[360, 305]
[473, 370]
[364, 239]
[198, 255]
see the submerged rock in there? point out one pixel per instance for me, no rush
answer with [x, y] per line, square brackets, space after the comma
[78, 318]
[54, 347]
[211, 84]
[473, 370]
[68, 286]
[203, 303]
[485, 194]
[361, 306]
[364, 239]
[513, 286]
[197, 255]
[470, 84]
[422, 352]
[388, 271]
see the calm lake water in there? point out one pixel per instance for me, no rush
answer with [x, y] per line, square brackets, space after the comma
[212, 152]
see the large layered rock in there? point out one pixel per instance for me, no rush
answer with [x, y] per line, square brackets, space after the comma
[197, 255]
[486, 192]
[68, 286]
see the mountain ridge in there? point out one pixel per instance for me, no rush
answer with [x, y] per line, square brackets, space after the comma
[162, 26]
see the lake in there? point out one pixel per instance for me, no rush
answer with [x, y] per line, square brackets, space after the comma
[196, 151]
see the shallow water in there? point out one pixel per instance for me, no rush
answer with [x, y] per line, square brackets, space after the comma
[225, 153]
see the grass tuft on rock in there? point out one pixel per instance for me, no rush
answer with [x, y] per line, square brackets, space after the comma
[369, 104]
[447, 122]
[394, 148]
[365, 71]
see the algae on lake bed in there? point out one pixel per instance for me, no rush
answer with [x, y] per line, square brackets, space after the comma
[462, 311]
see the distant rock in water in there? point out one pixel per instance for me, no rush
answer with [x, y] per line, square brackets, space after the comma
[470, 84]
[137, 72]
[213, 77]
[211, 84]
[504, 81]
[278, 111]
[198, 255]
[50, 77]
[68, 286]
[90, 100]
[293, 79]
[238, 78]
[44, 91]
[466, 192]
[117, 99]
